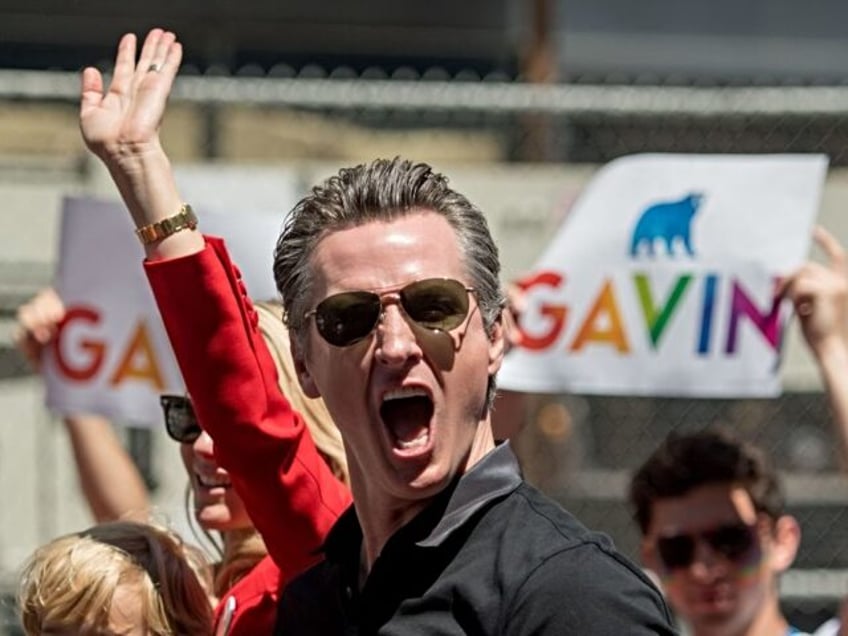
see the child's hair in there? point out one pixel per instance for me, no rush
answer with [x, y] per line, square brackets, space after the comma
[68, 584]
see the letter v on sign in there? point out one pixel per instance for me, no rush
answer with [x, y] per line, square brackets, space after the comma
[656, 318]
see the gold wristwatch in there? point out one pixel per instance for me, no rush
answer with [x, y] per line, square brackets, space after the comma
[182, 220]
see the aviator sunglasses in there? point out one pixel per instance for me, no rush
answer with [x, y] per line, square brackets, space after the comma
[180, 420]
[435, 303]
[732, 541]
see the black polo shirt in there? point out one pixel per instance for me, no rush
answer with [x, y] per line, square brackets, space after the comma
[490, 555]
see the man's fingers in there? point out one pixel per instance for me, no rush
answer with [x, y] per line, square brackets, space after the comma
[831, 247]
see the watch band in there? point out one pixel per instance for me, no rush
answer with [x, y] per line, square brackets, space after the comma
[182, 220]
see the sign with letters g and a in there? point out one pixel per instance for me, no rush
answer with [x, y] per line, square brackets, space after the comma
[111, 355]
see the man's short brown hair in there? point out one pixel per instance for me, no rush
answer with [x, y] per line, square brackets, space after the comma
[684, 462]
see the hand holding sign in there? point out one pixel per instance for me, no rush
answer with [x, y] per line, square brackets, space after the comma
[820, 295]
[38, 324]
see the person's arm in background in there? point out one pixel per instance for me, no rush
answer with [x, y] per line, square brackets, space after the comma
[108, 478]
[820, 296]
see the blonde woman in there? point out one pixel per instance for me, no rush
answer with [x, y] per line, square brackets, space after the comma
[245, 581]
[122, 577]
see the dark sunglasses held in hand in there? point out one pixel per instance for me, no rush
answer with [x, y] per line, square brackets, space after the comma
[434, 303]
[732, 541]
[180, 420]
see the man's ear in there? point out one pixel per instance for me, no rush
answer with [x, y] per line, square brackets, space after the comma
[308, 385]
[785, 541]
[497, 344]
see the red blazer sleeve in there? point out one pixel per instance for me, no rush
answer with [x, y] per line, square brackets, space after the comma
[289, 491]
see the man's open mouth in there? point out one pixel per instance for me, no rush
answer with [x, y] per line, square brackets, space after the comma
[407, 413]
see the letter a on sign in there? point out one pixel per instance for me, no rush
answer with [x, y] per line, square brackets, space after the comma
[139, 361]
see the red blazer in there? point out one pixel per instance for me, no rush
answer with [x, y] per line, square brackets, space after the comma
[256, 597]
[288, 489]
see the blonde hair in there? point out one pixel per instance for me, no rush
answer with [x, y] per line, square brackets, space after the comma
[68, 584]
[327, 438]
[242, 550]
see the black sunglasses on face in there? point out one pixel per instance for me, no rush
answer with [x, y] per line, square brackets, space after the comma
[435, 303]
[733, 541]
[180, 421]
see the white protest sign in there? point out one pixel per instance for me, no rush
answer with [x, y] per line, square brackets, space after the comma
[112, 354]
[661, 280]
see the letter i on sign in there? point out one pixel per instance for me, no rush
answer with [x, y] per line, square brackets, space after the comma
[707, 311]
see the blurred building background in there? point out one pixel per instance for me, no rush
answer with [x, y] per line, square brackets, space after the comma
[520, 101]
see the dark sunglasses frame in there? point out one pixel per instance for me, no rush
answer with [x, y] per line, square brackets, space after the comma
[180, 421]
[365, 308]
[733, 541]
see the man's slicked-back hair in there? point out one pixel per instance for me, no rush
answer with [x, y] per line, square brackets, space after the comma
[684, 462]
[382, 190]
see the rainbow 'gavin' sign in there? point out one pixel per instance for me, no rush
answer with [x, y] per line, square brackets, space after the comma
[661, 281]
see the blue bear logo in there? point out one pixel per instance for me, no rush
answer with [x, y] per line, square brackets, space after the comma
[668, 221]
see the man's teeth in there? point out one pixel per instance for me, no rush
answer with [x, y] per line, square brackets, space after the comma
[421, 440]
[404, 392]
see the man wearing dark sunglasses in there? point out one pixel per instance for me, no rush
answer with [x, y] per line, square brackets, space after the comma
[714, 529]
[390, 284]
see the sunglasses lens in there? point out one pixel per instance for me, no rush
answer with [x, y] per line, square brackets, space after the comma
[732, 541]
[180, 421]
[436, 303]
[676, 552]
[346, 318]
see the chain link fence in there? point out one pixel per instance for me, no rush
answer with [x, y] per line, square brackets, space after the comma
[581, 449]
